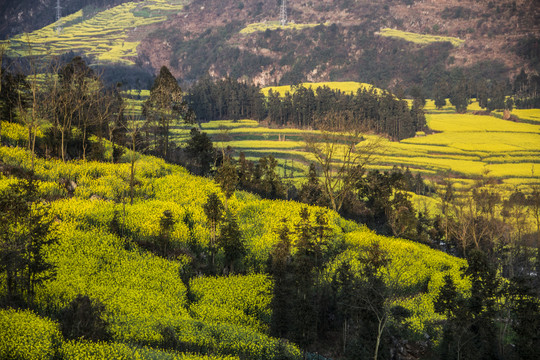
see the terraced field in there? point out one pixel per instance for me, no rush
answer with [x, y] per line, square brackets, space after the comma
[464, 146]
[274, 25]
[421, 39]
[344, 86]
[103, 36]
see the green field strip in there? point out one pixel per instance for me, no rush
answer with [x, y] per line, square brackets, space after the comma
[469, 122]
[275, 25]
[103, 36]
[343, 86]
[421, 39]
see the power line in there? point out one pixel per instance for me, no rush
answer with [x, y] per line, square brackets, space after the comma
[58, 16]
[283, 15]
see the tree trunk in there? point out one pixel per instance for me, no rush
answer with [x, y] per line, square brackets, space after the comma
[33, 148]
[345, 335]
[132, 179]
[62, 146]
[84, 144]
[378, 342]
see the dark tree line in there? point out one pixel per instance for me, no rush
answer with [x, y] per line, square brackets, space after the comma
[367, 109]
[226, 99]
[75, 104]
[527, 90]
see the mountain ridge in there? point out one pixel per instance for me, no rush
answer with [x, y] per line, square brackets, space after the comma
[343, 41]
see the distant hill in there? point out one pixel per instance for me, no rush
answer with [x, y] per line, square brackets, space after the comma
[389, 44]
[20, 16]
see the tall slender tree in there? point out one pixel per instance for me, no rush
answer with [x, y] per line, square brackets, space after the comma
[213, 209]
[26, 230]
[164, 107]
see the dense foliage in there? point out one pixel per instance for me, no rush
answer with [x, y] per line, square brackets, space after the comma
[304, 107]
[87, 242]
[119, 254]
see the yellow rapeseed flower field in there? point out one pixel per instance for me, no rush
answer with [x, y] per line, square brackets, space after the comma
[344, 86]
[422, 39]
[274, 25]
[103, 36]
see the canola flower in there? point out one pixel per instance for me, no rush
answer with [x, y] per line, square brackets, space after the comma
[422, 39]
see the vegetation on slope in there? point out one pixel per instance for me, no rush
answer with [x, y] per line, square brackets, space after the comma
[99, 254]
[104, 36]
[131, 226]
[419, 38]
[273, 25]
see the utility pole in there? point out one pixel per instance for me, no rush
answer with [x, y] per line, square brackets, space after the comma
[58, 16]
[283, 15]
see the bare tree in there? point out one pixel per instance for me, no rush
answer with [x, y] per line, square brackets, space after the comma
[369, 301]
[342, 156]
[30, 115]
[133, 130]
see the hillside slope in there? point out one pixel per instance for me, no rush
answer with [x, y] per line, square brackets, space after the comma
[341, 40]
[20, 16]
[107, 250]
[351, 48]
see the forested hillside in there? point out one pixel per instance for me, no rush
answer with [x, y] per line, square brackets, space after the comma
[391, 44]
[110, 249]
[157, 202]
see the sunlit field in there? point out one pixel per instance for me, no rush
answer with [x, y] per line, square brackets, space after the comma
[108, 36]
[343, 86]
[421, 39]
[462, 145]
[142, 292]
[274, 25]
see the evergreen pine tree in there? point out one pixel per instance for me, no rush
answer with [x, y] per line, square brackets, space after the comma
[165, 106]
[283, 291]
[304, 320]
[213, 209]
[227, 178]
[230, 240]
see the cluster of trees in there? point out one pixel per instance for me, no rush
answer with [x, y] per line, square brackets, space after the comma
[325, 108]
[490, 95]
[497, 320]
[79, 111]
[479, 326]
[500, 227]
[354, 305]
[226, 99]
[333, 110]
[26, 230]
[527, 90]
[379, 199]
[70, 102]
[197, 54]
[225, 251]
